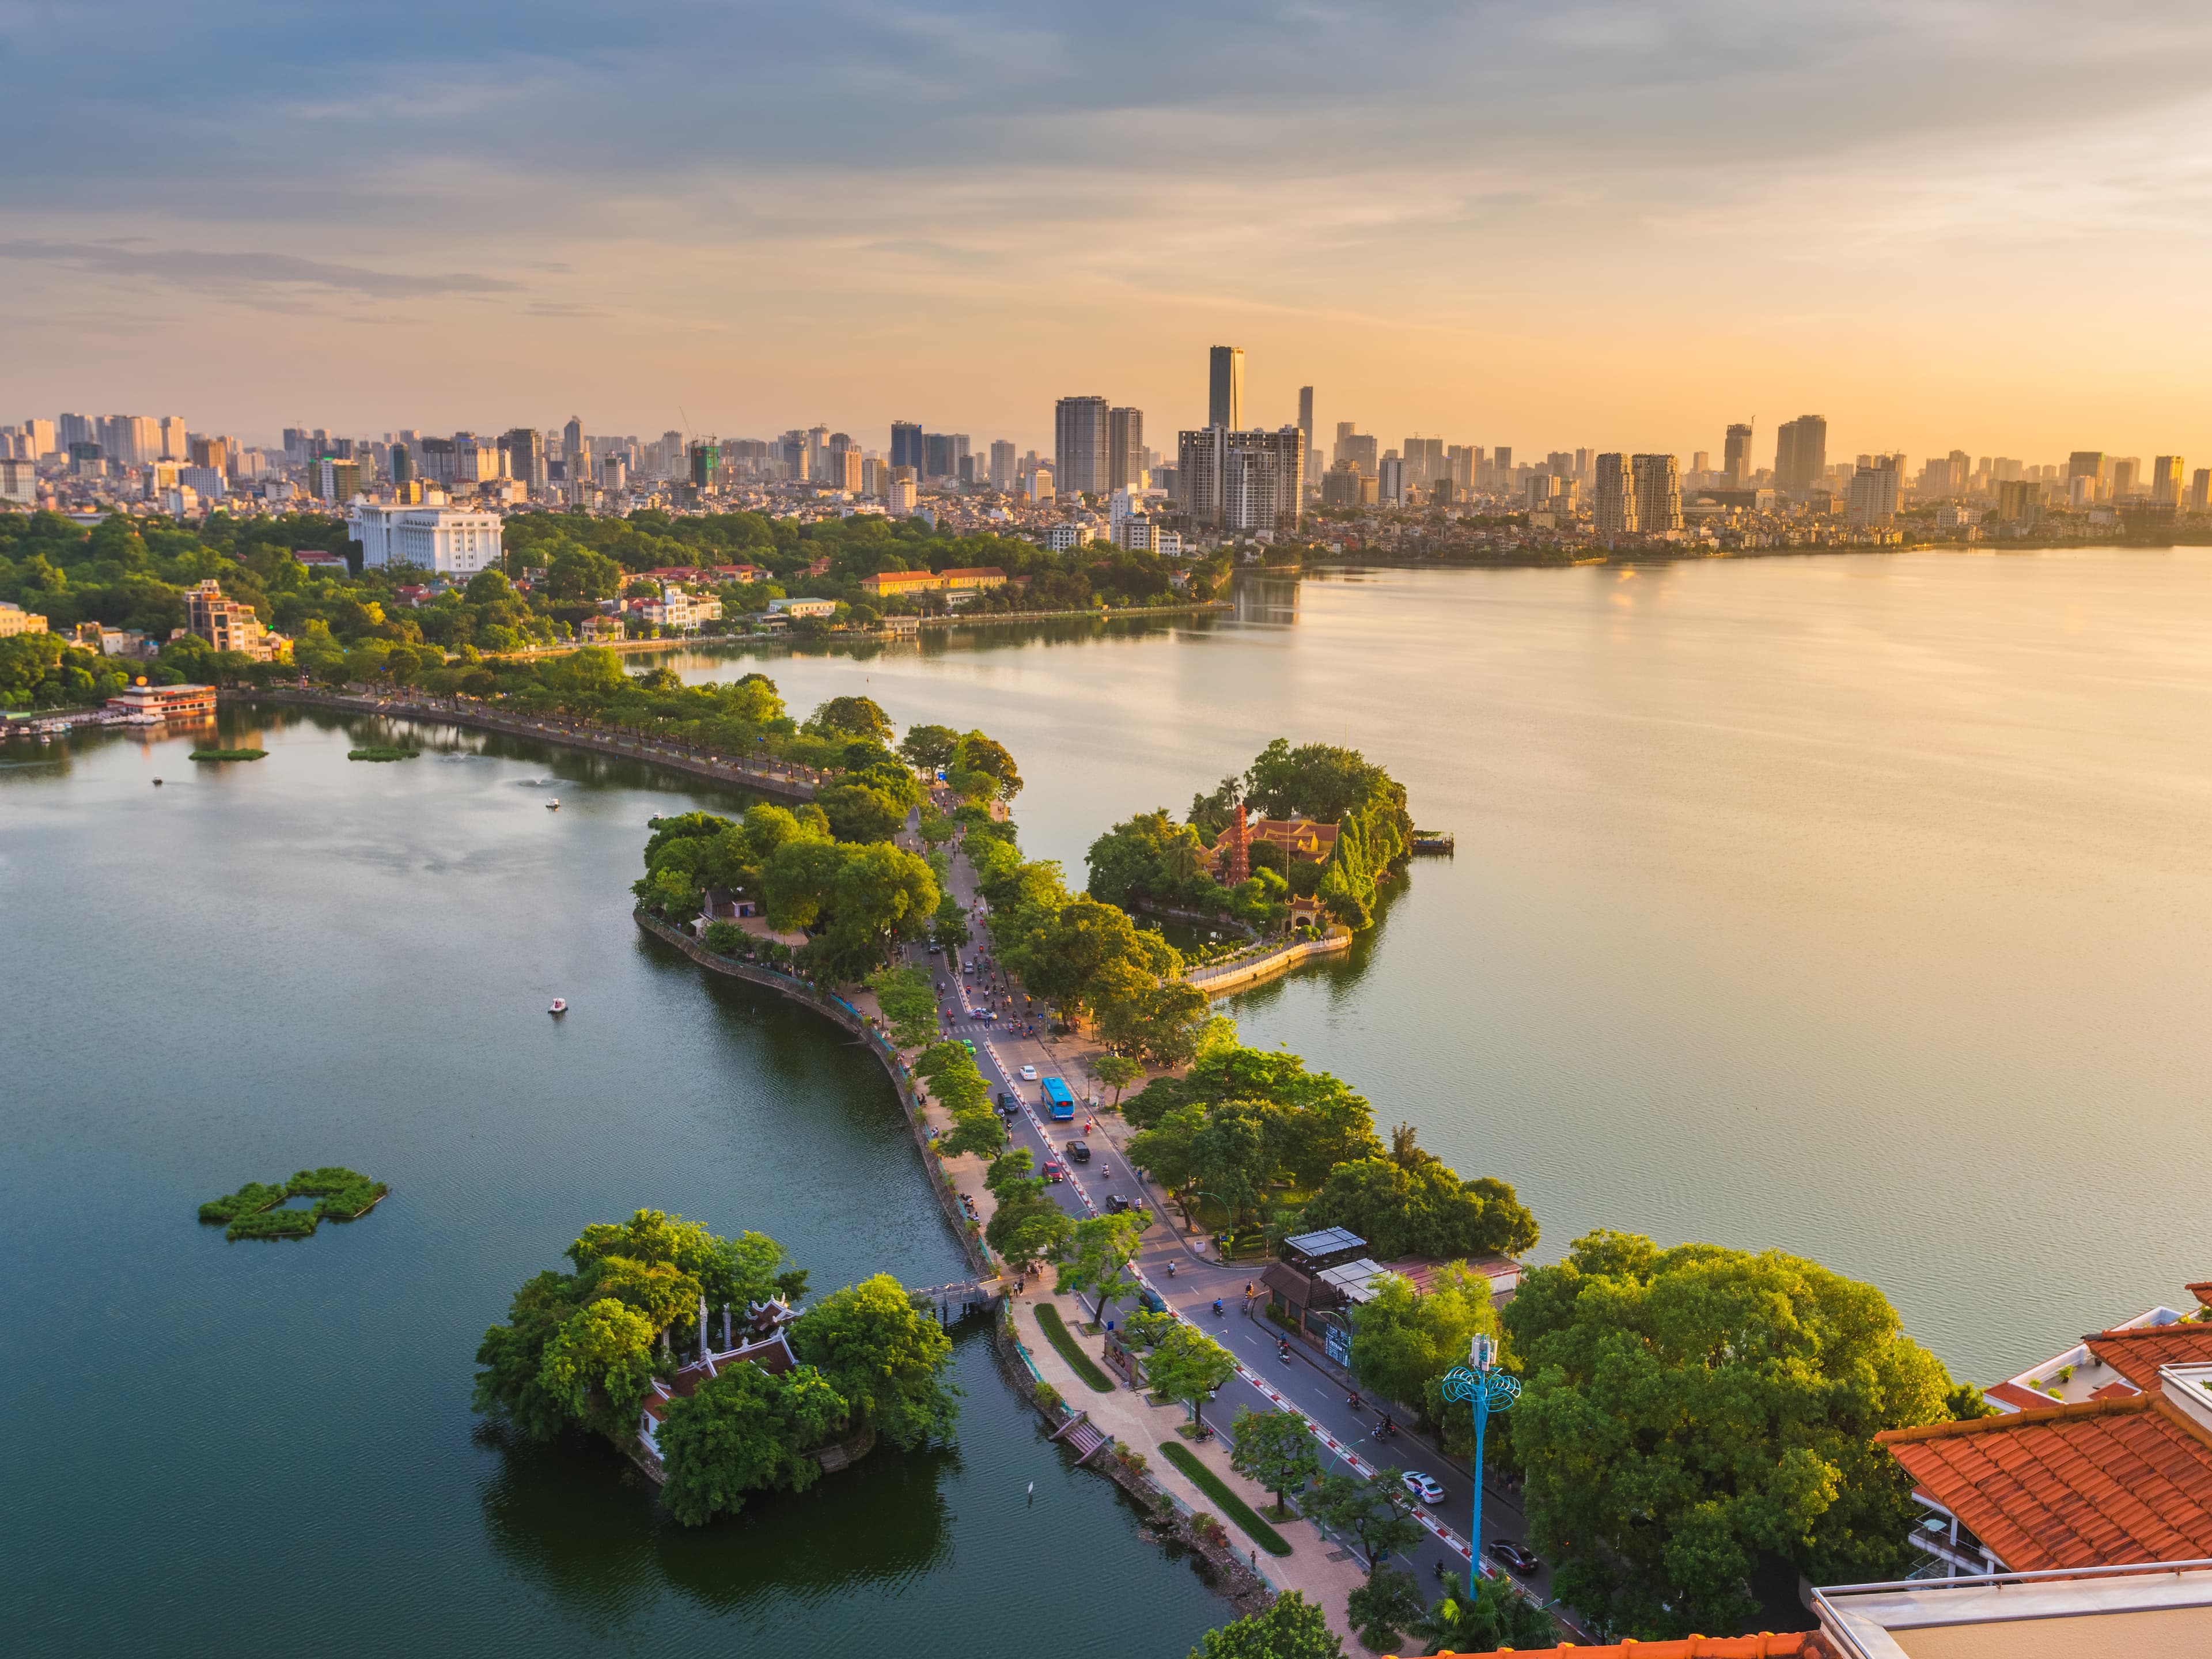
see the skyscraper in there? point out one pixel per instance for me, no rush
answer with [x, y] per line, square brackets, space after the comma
[2166, 480]
[1125, 448]
[1658, 483]
[1424, 460]
[671, 456]
[1614, 506]
[905, 445]
[1800, 452]
[1872, 499]
[2086, 464]
[1305, 418]
[572, 446]
[1080, 433]
[1004, 465]
[1736, 454]
[1224, 388]
[1263, 481]
[706, 464]
[525, 456]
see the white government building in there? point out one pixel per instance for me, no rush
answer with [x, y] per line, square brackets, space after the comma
[448, 539]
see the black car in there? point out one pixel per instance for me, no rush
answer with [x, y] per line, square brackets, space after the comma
[1006, 1101]
[1078, 1152]
[1511, 1555]
[1115, 1203]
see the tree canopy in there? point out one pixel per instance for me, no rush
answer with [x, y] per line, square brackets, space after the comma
[1686, 1412]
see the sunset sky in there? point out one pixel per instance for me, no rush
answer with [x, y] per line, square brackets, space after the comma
[1941, 223]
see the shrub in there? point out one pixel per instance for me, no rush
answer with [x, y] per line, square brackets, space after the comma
[1131, 1460]
[275, 1223]
[1048, 1396]
[254, 1196]
[343, 1194]
[724, 939]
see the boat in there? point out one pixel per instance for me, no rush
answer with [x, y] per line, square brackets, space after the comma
[157, 783]
[553, 805]
[560, 1006]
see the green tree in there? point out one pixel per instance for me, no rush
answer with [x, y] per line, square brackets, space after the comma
[1403, 1342]
[1376, 1513]
[980, 757]
[1275, 1449]
[878, 1351]
[1387, 1600]
[858, 812]
[978, 1131]
[598, 1364]
[512, 1384]
[1291, 1627]
[1424, 1211]
[1686, 1412]
[1495, 1619]
[929, 746]
[578, 573]
[853, 717]
[1184, 1364]
[1093, 1256]
[1117, 1073]
[743, 1430]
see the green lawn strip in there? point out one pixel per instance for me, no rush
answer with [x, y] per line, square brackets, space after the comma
[1056, 1333]
[227, 754]
[381, 752]
[1232, 1505]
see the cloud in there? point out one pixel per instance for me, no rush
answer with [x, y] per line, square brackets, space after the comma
[239, 275]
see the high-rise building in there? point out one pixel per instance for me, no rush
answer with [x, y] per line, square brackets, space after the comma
[335, 480]
[2166, 480]
[79, 429]
[2200, 489]
[1800, 452]
[2086, 464]
[706, 464]
[1873, 497]
[2019, 500]
[675, 464]
[614, 471]
[1390, 480]
[1305, 419]
[525, 456]
[41, 435]
[1125, 448]
[2127, 476]
[403, 464]
[1224, 388]
[1005, 464]
[905, 445]
[1613, 504]
[572, 445]
[1263, 482]
[1081, 430]
[1736, 454]
[1658, 480]
[1424, 461]
[173, 438]
[1340, 485]
[1357, 448]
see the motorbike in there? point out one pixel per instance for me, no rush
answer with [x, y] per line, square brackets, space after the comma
[1170, 1270]
[1216, 1307]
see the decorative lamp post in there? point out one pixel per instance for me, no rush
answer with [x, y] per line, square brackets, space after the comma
[1487, 1389]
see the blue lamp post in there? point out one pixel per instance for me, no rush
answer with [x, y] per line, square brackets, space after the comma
[1487, 1389]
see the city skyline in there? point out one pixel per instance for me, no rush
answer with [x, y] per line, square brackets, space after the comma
[1905, 245]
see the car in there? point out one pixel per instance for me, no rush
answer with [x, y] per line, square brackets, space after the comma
[1508, 1554]
[968, 1044]
[934, 947]
[1425, 1487]
[1029, 1074]
[1052, 1171]
[1116, 1204]
[1006, 1101]
[1150, 1300]
[1078, 1152]
[967, 967]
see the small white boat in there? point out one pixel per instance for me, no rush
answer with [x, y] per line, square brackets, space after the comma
[553, 805]
[560, 1006]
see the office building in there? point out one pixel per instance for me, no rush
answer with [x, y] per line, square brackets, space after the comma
[1040, 483]
[174, 438]
[2200, 489]
[525, 457]
[1800, 453]
[2019, 500]
[2166, 480]
[1263, 482]
[1340, 485]
[1657, 481]
[1125, 448]
[1424, 461]
[572, 446]
[2086, 464]
[1355, 446]
[335, 480]
[905, 445]
[1224, 388]
[1464, 461]
[43, 442]
[1305, 417]
[614, 473]
[1080, 434]
[1735, 455]
[1005, 464]
[1872, 498]
[2126, 474]
[1613, 503]
[449, 540]
[1390, 481]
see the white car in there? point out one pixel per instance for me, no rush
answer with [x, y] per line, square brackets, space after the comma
[1029, 1074]
[1425, 1487]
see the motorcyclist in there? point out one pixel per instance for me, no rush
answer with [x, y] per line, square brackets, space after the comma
[1216, 1307]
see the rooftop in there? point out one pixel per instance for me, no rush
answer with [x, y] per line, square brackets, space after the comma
[2155, 1611]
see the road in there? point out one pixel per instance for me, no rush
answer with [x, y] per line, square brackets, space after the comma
[971, 982]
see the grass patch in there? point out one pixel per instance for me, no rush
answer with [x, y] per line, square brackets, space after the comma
[1232, 1505]
[340, 1194]
[378, 751]
[275, 1223]
[1056, 1333]
[253, 1197]
[227, 754]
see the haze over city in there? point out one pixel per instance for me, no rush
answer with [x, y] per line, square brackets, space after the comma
[1591, 224]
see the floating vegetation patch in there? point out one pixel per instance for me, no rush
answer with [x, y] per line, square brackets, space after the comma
[229, 754]
[340, 1194]
[381, 752]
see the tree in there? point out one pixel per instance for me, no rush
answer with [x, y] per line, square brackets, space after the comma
[1424, 1211]
[1687, 1411]
[1277, 1450]
[929, 746]
[1027, 1227]
[1402, 1342]
[976, 1131]
[979, 754]
[949, 924]
[858, 812]
[1290, 1628]
[852, 717]
[1092, 1256]
[1387, 1600]
[513, 1383]
[1376, 1513]
[1117, 1073]
[1497, 1619]
[875, 1348]
[744, 1431]
[1185, 1363]
[598, 1364]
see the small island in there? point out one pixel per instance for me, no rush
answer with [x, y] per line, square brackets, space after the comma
[377, 751]
[229, 755]
[690, 1354]
[340, 1194]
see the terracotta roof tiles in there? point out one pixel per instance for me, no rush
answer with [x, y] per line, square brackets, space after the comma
[2096, 1483]
[2137, 1351]
[1791, 1644]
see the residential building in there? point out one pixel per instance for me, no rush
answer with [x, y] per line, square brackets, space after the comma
[1125, 448]
[1263, 482]
[2166, 480]
[1340, 485]
[1800, 453]
[706, 464]
[2200, 489]
[676, 609]
[1081, 431]
[1136, 532]
[19, 481]
[229, 625]
[1042, 487]
[14, 620]
[904, 494]
[1873, 497]
[41, 439]
[2019, 500]
[1390, 481]
[335, 480]
[1063, 538]
[802, 607]
[1224, 388]
[1424, 461]
[2086, 464]
[2126, 475]
[1004, 465]
[1613, 500]
[1357, 448]
[1658, 484]
[1735, 455]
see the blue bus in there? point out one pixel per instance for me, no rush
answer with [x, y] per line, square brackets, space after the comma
[1059, 1099]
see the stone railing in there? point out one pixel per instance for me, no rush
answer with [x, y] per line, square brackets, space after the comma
[1250, 971]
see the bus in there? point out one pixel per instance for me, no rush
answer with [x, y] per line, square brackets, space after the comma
[1057, 1097]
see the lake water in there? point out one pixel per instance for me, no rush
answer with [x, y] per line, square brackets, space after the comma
[300, 961]
[1850, 906]
[1856, 907]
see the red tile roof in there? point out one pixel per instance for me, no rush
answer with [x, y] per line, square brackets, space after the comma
[2099, 1482]
[2137, 1351]
[1792, 1644]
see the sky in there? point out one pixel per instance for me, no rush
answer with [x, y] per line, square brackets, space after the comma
[1940, 223]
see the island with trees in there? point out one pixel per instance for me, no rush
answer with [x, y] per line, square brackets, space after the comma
[691, 1354]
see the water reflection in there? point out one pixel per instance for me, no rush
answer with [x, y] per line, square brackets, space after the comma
[1266, 601]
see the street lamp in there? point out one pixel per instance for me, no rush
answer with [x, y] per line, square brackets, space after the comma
[1487, 1389]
